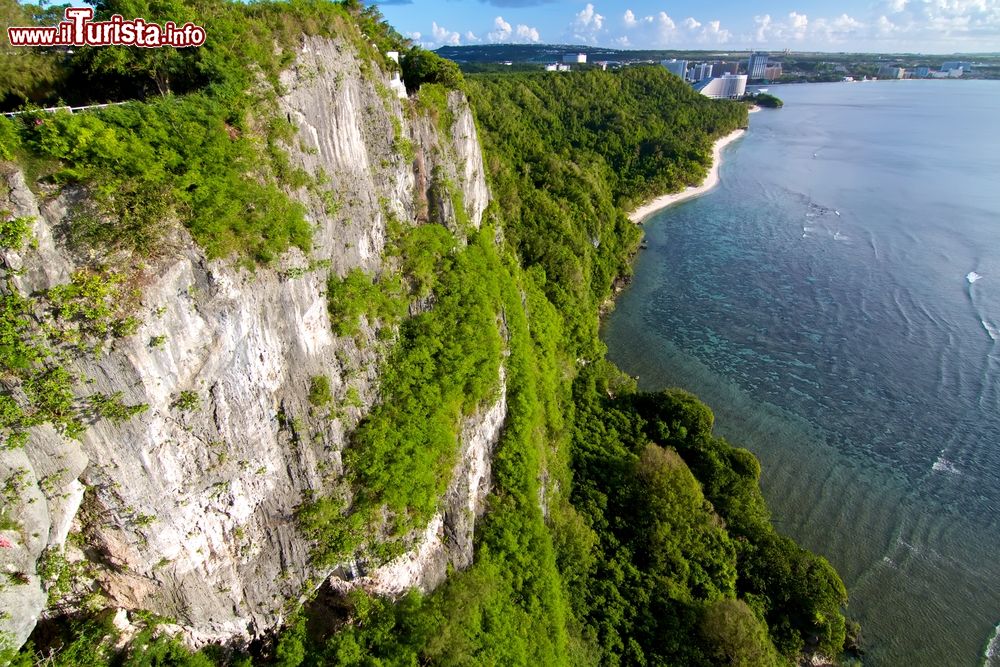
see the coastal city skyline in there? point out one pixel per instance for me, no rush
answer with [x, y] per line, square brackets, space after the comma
[925, 26]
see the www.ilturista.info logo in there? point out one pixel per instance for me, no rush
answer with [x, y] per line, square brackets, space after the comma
[79, 30]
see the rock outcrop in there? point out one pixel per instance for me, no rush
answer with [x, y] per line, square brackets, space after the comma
[187, 509]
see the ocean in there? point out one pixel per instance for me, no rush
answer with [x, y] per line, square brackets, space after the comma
[836, 301]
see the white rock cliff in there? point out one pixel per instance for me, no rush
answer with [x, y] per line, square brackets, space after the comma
[189, 513]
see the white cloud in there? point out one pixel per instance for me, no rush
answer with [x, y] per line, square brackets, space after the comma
[444, 36]
[714, 33]
[503, 32]
[665, 22]
[884, 26]
[836, 30]
[959, 18]
[895, 25]
[644, 24]
[660, 30]
[845, 23]
[798, 25]
[588, 17]
[527, 34]
[471, 37]
[657, 31]
[942, 26]
[587, 24]
[795, 28]
[710, 33]
[420, 39]
[763, 24]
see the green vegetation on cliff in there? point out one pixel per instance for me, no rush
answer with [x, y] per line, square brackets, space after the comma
[619, 529]
[655, 546]
[568, 155]
[203, 147]
[443, 366]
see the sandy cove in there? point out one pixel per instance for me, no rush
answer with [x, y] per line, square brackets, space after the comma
[651, 207]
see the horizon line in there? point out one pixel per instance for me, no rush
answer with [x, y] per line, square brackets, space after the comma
[582, 48]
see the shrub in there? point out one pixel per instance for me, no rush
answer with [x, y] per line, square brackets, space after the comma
[12, 232]
[172, 158]
[10, 142]
[737, 637]
[319, 390]
[114, 409]
[358, 294]
[444, 364]
[94, 305]
[187, 400]
[421, 66]
[50, 392]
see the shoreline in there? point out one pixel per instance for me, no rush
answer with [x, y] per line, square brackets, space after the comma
[711, 180]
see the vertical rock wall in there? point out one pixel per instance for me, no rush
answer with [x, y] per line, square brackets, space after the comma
[188, 512]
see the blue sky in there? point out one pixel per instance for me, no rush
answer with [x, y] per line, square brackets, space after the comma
[927, 26]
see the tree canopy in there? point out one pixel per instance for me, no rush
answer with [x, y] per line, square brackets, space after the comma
[421, 66]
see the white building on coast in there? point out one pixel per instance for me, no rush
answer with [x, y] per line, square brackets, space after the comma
[756, 64]
[674, 66]
[728, 87]
[891, 72]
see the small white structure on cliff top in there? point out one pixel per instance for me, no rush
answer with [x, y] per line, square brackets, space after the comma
[396, 84]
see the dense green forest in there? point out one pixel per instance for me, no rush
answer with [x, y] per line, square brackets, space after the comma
[619, 530]
[766, 100]
[569, 155]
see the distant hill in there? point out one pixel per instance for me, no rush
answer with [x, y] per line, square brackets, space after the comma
[540, 53]
[544, 53]
[798, 65]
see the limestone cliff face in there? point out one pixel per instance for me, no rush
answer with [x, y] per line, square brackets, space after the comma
[188, 513]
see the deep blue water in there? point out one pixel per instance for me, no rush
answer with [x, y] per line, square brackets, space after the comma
[836, 300]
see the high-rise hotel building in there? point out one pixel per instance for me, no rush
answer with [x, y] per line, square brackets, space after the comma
[756, 65]
[674, 66]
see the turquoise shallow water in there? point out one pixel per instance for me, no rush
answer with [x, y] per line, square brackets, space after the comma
[837, 301]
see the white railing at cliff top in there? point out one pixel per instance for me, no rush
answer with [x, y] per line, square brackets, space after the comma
[11, 114]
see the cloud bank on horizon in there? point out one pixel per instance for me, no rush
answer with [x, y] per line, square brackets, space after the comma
[928, 26]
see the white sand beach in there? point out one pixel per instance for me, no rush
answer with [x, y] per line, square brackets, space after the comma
[651, 207]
